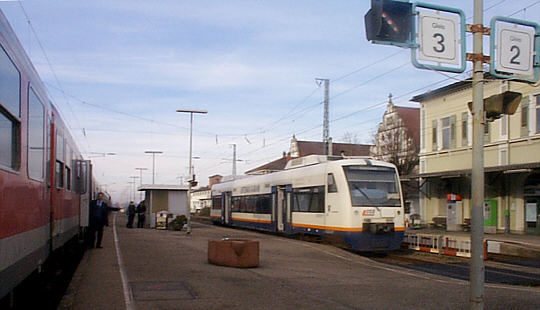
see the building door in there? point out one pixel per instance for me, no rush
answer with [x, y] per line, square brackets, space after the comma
[531, 196]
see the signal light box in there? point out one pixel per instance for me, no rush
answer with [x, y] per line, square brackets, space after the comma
[389, 22]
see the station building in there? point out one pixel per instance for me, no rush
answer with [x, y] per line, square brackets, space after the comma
[511, 158]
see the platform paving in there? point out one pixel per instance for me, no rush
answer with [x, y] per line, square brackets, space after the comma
[169, 270]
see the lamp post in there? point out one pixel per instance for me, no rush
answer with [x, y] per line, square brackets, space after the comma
[140, 179]
[153, 163]
[191, 176]
[134, 186]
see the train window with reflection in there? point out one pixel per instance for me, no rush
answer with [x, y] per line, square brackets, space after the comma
[59, 175]
[216, 203]
[67, 164]
[332, 188]
[36, 137]
[309, 199]
[59, 146]
[10, 112]
[373, 186]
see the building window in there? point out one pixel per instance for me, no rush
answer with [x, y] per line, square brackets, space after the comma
[464, 129]
[449, 132]
[10, 112]
[36, 137]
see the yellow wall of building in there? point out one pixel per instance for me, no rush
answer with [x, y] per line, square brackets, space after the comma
[521, 148]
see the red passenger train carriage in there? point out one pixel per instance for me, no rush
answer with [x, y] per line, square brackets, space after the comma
[45, 184]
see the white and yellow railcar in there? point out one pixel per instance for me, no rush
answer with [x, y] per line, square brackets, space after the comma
[354, 202]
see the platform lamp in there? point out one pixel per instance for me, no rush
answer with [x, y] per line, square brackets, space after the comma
[153, 163]
[140, 179]
[191, 181]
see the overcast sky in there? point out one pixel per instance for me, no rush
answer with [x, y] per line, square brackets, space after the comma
[118, 70]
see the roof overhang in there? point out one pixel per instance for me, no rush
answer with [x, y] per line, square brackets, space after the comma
[162, 187]
[507, 169]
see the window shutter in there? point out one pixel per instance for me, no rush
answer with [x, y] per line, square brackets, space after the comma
[434, 146]
[453, 132]
[525, 116]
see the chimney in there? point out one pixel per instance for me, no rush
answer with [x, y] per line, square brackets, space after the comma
[330, 147]
[215, 179]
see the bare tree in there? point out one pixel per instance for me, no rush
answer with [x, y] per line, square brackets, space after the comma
[394, 145]
[349, 137]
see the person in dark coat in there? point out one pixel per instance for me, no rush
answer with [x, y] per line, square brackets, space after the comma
[130, 214]
[99, 211]
[141, 211]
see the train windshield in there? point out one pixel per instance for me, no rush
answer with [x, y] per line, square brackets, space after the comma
[373, 186]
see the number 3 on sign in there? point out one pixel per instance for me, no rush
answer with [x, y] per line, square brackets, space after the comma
[438, 38]
[515, 50]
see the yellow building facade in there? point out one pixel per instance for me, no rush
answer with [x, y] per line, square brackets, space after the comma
[511, 157]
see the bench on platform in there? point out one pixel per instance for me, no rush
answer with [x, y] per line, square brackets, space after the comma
[466, 224]
[438, 222]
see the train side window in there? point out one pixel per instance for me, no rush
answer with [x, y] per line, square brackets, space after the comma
[10, 112]
[59, 175]
[59, 165]
[36, 137]
[68, 166]
[332, 187]
[216, 203]
[310, 199]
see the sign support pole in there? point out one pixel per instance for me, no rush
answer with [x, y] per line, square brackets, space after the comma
[477, 175]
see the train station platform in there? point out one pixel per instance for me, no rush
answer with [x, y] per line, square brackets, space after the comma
[458, 243]
[160, 269]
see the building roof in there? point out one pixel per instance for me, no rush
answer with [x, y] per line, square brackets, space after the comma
[201, 189]
[411, 120]
[162, 187]
[448, 89]
[306, 148]
[276, 165]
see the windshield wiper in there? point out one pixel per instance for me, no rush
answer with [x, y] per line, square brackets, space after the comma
[365, 195]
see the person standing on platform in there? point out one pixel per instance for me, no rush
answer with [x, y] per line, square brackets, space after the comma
[130, 214]
[141, 214]
[99, 211]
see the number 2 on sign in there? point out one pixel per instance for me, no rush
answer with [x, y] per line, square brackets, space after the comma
[440, 48]
[514, 59]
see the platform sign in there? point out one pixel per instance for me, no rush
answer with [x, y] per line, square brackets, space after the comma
[513, 49]
[439, 38]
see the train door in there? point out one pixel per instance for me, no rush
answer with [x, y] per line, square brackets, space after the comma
[82, 181]
[281, 211]
[287, 208]
[226, 208]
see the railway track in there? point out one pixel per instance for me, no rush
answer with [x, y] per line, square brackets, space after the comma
[501, 270]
